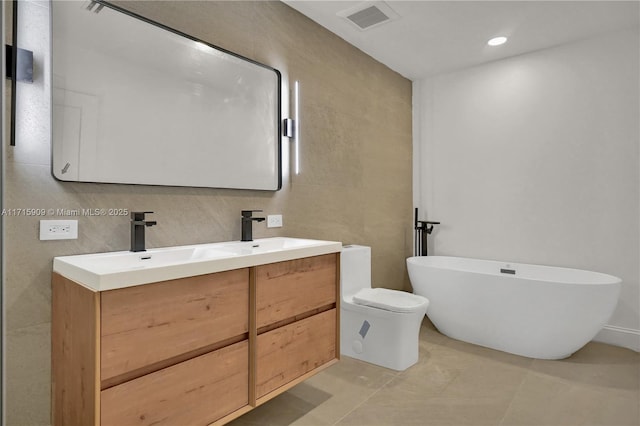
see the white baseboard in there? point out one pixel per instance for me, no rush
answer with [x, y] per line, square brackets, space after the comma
[619, 336]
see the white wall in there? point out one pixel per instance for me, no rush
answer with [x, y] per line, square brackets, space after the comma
[535, 159]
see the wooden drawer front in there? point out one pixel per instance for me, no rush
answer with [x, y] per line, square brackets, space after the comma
[194, 392]
[287, 289]
[151, 324]
[289, 352]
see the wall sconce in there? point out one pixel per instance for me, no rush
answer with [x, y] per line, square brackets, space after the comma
[18, 67]
[292, 126]
[24, 64]
[287, 127]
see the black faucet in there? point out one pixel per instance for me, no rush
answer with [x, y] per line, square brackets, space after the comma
[137, 230]
[422, 229]
[247, 224]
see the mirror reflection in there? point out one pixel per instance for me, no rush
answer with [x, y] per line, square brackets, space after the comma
[135, 102]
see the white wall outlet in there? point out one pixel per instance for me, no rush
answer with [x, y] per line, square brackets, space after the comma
[274, 221]
[58, 230]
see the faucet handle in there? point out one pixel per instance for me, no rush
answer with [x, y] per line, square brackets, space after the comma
[425, 225]
[247, 213]
[138, 215]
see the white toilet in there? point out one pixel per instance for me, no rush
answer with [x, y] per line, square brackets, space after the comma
[377, 325]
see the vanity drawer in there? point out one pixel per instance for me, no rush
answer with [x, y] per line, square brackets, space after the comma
[195, 392]
[287, 289]
[148, 327]
[288, 352]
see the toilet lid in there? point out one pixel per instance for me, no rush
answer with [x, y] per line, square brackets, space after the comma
[390, 300]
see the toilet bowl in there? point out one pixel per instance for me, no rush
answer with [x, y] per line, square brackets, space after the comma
[377, 325]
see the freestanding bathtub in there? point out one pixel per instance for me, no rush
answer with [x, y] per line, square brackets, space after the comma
[530, 310]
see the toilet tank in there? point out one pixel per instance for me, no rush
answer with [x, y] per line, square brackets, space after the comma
[355, 269]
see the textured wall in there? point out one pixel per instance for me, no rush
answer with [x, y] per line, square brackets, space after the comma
[354, 186]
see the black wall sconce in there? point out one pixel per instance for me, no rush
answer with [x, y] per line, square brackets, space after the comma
[19, 67]
[287, 127]
[24, 64]
[16, 59]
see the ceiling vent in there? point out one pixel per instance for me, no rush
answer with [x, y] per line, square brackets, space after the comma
[369, 14]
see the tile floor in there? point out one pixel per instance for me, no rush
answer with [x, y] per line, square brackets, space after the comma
[456, 383]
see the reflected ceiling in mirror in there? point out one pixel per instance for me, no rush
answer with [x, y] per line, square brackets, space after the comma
[139, 103]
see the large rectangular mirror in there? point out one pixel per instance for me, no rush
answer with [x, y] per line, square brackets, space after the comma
[137, 102]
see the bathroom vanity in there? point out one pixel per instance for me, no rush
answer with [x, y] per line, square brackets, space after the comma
[232, 326]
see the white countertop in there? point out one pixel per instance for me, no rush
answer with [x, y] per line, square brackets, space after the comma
[109, 271]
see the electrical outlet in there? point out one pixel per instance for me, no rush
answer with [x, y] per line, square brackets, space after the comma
[58, 229]
[274, 221]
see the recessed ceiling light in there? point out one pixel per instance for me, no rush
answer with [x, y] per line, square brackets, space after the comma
[497, 41]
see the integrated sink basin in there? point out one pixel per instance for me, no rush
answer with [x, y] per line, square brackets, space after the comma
[108, 271]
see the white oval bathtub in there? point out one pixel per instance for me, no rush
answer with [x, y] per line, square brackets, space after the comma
[530, 310]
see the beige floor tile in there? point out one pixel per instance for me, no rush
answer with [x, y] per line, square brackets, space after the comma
[349, 383]
[324, 398]
[545, 400]
[491, 381]
[480, 371]
[352, 372]
[617, 410]
[285, 409]
[429, 333]
[412, 390]
[475, 411]
[481, 353]
[597, 364]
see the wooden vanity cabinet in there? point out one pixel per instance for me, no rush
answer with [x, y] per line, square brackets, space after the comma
[198, 391]
[193, 351]
[151, 354]
[296, 321]
[146, 327]
[285, 290]
[290, 352]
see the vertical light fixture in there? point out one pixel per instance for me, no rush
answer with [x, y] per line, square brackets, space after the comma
[296, 132]
[291, 127]
[14, 72]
